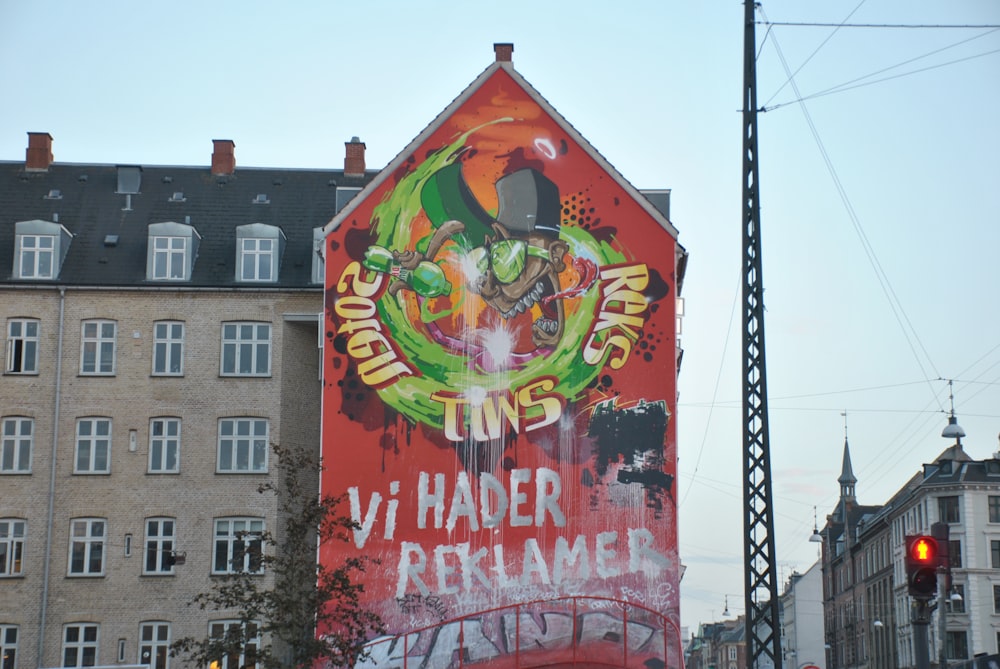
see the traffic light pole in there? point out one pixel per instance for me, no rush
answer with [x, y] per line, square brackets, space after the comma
[942, 580]
[921, 618]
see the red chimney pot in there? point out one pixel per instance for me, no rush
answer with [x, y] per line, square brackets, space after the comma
[354, 158]
[503, 51]
[223, 157]
[38, 155]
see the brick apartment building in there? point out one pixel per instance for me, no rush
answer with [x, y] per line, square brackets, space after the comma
[161, 328]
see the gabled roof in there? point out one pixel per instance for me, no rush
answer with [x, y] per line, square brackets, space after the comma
[85, 200]
[653, 204]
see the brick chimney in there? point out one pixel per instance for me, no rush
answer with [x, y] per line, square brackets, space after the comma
[38, 155]
[503, 51]
[354, 158]
[223, 157]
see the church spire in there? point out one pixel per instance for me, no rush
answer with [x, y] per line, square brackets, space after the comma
[847, 478]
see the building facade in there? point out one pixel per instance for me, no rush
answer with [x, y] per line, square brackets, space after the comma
[867, 607]
[161, 331]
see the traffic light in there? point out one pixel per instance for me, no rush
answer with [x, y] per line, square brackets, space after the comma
[922, 560]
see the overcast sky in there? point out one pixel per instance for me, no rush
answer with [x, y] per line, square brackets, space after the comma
[880, 204]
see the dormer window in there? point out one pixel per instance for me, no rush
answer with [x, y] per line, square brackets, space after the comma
[39, 249]
[318, 264]
[261, 199]
[171, 251]
[259, 248]
[178, 196]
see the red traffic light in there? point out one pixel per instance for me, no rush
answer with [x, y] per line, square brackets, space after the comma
[924, 550]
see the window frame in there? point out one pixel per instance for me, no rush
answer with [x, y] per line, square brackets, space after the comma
[159, 547]
[101, 344]
[170, 256]
[13, 443]
[993, 508]
[163, 445]
[8, 646]
[995, 555]
[94, 443]
[89, 543]
[219, 629]
[951, 638]
[37, 252]
[22, 346]
[230, 444]
[13, 534]
[949, 509]
[237, 346]
[256, 261]
[244, 544]
[156, 648]
[81, 644]
[171, 343]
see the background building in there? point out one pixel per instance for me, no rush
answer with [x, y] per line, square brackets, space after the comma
[161, 328]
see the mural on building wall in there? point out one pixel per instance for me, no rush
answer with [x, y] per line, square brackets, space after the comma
[499, 383]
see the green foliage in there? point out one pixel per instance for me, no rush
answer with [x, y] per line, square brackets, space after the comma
[280, 610]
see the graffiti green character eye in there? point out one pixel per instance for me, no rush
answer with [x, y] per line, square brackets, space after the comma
[480, 259]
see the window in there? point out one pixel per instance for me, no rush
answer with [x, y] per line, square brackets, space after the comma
[39, 249]
[171, 251]
[243, 444]
[257, 260]
[36, 256]
[168, 348]
[22, 346]
[93, 446]
[957, 605]
[246, 349]
[8, 646]
[955, 553]
[86, 547]
[80, 645]
[250, 637]
[154, 645]
[16, 447]
[995, 554]
[97, 347]
[169, 255]
[164, 445]
[238, 545]
[159, 546]
[994, 506]
[258, 252]
[957, 645]
[996, 599]
[11, 546]
[948, 510]
[318, 264]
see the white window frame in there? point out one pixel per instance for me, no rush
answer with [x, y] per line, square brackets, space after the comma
[8, 646]
[218, 629]
[22, 346]
[98, 340]
[159, 546]
[92, 454]
[87, 638]
[168, 348]
[235, 543]
[154, 644]
[12, 535]
[31, 250]
[243, 445]
[87, 537]
[246, 349]
[164, 445]
[257, 259]
[17, 445]
[169, 258]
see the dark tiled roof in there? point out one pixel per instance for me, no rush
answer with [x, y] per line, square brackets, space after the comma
[89, 207]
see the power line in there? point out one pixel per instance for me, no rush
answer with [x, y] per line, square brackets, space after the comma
[808, 24]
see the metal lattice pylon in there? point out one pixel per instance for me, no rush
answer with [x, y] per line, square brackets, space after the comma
[761, 589]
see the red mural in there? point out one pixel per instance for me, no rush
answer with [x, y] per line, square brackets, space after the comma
[499, 394]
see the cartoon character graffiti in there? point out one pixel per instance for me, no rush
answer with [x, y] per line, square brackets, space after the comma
[512, 261]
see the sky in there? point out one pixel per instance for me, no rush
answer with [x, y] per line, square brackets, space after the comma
[879, 169]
